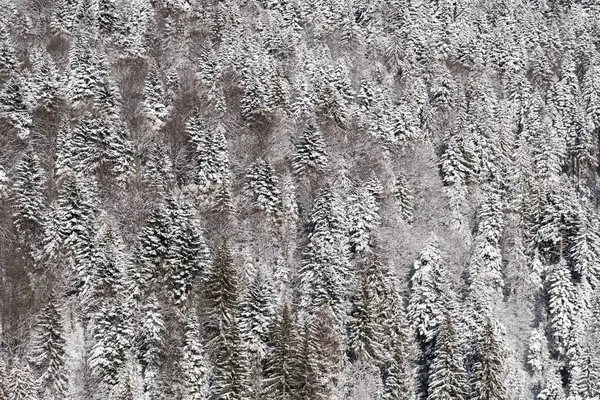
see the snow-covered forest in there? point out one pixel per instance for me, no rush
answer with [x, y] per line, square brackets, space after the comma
[299, 199]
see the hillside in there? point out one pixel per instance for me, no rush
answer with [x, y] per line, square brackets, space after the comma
[299, 199]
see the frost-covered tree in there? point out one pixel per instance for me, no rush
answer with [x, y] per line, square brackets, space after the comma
[21, 383]
[111, 340]
[263, 186]
[561, 306]
[256, 315]
[14, 107]
[28, 194]
[323, 274]
[404, 198]
[209, 152]
[365, 326]
[310, 152]
[448, 376]
[486, 379]
[153, 107]
[194, 364]
[280, 370]
[221, 289]
[48, 352]
[426, 303]
[149, 337]
[363, 216]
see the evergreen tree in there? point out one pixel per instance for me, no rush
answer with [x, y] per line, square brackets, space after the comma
[229, 379]
[426, 302]
[149, 338]
[448, 377]
[561, 306]
[14, 106]
[210, 153]
[404, 199]
[365, 330]
[363, 213]
[280, 366]
[111, 339]
[49, 353]
[486, 378]
[29, 184]
[21, 384]
[397, 373]
[153, 107]
[325, 267]
[263, 187]
[194, 364]
[310, 154]
[256, 315]
[221, 289]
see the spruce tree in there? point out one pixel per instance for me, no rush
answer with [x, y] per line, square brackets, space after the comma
[448, 377]
[404, 199]
[21, 384]
[28, 193]
[256, 315]
[561, 306]
[426, 301]
[193, 363]
[48, 353]
[149, 339]
[487, 375]
[153, 107]
[14, 107]
[325, 267]
[281, 361]
[221, 289]
[310, 154]
[263, 188]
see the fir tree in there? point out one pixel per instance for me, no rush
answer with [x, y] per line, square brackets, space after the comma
[448, 377]
[21, 384]
[194, 364]
[310, 154]
[153, 107]
[325, 267]
[256, 315]
[221, 288]
[426, 302]
[263, 187]
[561, 306]
[363, 213]
[49, 352]
[14, 106]
[28, 195]
[404, 199]
[486, 378]
[280, 370]
[149, 338]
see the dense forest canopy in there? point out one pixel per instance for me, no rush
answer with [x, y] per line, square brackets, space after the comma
[299, 199]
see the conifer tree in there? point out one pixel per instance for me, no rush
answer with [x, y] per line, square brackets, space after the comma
[280, 370]
[193, 363]
[263, 187]
[561, 306]
[14, 106]
[426, 302]
[404, 199]
[229, 378]
[28, 195]
[363, 213]
[310, 154]
[448, 377]
[488, 367]
[210, 153]
[325, 267]
[111, 338]
[149, 337]
[221, 288]
[49, 352]
[365, 330]
[256, 315]
[153, 107]
[21, 384]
